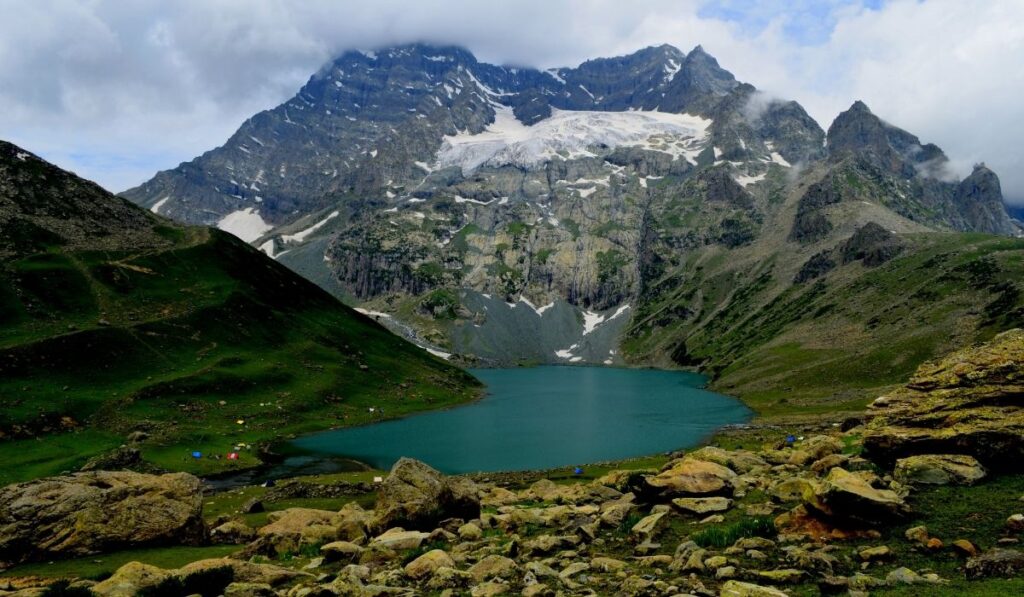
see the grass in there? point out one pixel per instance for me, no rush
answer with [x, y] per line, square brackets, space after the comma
[192, 341]
[102, 566]
[831, 345]
[724, 536]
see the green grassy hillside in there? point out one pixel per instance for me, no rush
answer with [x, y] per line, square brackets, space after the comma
[188, 335]
[833, 342]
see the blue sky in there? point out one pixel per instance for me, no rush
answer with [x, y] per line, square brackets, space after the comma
[806, 22]
[118, 90]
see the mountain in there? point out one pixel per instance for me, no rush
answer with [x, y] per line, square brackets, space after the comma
[118, 323]
[646, 209]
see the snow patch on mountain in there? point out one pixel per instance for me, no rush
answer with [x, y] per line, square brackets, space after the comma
[571, 134]
[246, 224]
[300, 236]
[156, 206]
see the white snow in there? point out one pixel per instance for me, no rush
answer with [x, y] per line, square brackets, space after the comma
[586, 192]
[373, 313]
[437, 353]
[156, 206]
[538, 310]
[268, 248]
[563, 354]
[671, 69]
[570, 134]
[592, 320]
[459, 199]
[298, 237]
[554, 75]
[21, 155]
[778, 159]
[425, 166]
[749, 180]
[246, 224]
[373, 153]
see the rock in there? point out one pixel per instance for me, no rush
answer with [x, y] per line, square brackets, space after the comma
[293, 528]
[691, 477]
[996, 562]
[232, 532]
[499, 496]
[824, 465]
[966, 403]
[428, 563]
[1015, 523]
[398, 539]
[449, 578]
[741, 461]
[340, 551]
[702, 505]
[938, 469]
[846, 495]
[793, 489]
[614, 513]
[88, 513]
[934, 544]
[607, 564]
[248, 589]
[493, 566]
[918, 534]
[904, 576]
[488, 589]
[249, 572]
[964, 548]
[573, 569]
[735, 588]
[648, 527]
[131, 579]
[815, 448]
[785, 576]
[470, 532]
[253, 506]
[725, 572]
[874, 554]
[416, 496]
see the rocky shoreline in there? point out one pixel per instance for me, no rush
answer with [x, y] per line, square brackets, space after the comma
[834, 512]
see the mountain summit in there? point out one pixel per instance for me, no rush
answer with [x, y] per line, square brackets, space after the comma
[641, 208]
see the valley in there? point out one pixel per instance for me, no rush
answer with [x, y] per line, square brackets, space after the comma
[435, 326]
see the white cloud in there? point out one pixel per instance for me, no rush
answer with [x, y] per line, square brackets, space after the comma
[116, 90]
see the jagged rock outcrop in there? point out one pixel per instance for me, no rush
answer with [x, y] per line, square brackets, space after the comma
[87, 513]
[970, 402]
[416, 496]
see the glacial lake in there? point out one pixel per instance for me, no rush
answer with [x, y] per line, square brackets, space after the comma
[544, 417]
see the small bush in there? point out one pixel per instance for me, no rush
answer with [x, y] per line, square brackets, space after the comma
[725, 536]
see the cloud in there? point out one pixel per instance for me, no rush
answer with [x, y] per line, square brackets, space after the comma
[117, 90]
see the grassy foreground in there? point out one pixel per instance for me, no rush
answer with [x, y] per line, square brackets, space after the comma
[207, 346]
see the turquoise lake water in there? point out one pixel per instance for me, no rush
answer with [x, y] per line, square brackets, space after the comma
[545, 417]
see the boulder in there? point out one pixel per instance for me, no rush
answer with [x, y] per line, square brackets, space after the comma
[295, 527]
[398, 539]
[340, 551]
[849, 496]
[131, 579]
[428, 563]
[741, 461]
[996, 562]
[735, 588]
[648, 527]
[702, 505]
[87, 513]
[969, 402]
[232, 532]
[691, 477]
[493, 566]
[938, 469]
[418, 497]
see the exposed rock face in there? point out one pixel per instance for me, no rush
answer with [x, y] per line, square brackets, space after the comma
[971, 402]
[417, 496]
[88, 513]
[845, 495]
[997, 562]
[938, 469]
[980, 198]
